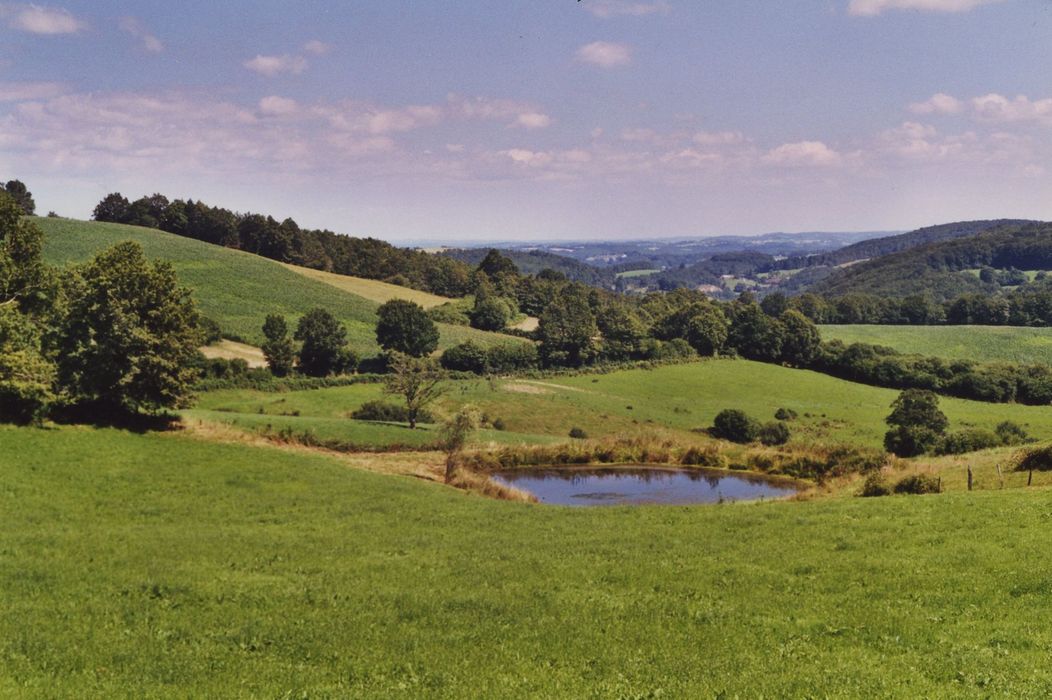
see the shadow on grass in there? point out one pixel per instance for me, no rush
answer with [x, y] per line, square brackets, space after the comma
[101, 416]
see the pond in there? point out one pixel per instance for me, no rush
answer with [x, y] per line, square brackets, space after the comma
[569, 486]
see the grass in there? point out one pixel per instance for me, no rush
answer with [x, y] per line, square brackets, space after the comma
[980, 343]
[231, 350]
[239, 289]
[629, 274]
[373, 290]
[161, 566]
[670, 400]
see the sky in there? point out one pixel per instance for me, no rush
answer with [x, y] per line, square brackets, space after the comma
[440, 120]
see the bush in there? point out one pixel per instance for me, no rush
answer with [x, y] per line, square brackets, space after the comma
[906, 441]
[876, 485]
[786, 414]
[774, 433]
[918, 484]
[490, 314]
[466, 357]
[967, 441]
[498, 424]
[708, 456]
[210, 330]
[1011, 433]
[1038, 459]
[578, 433]
[377, 410]
[512, 357]
[451, 312]
[734, 425]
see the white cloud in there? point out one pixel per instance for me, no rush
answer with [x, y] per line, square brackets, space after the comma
[21, 92]
[42, 20]
[138, 30]
[605, 9]
[605, 54]
[939, 103]
[316, 47]
[998, 108]
[718, 138]
[871, 8]
[533, 120]
[271, 66]
[407, 119]
[803, 154]
[278, 106]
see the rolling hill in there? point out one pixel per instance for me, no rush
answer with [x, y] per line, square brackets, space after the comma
[239, 289]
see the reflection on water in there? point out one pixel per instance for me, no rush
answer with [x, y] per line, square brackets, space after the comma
[635, 486]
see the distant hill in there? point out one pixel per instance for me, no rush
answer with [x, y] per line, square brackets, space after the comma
[238, 289]
[533, 261]
[945, 269]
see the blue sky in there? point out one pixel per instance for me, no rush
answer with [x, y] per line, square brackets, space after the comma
[545, 119]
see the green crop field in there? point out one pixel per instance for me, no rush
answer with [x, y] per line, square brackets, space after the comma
[675, 398]
[239, 289]
[980, 343]
[629, 274]
[162, 566]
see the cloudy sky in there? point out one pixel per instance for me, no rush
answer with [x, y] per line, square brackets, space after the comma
[546, 119]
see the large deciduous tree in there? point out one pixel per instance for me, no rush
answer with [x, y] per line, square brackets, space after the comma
[25, 280]
[568, 330]
[405, 327]
[278, 348]
[22, 196]
[323, 339]
[419, 381]
[916, 423]
[129, 334]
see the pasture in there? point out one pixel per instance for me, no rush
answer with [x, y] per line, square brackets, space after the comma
[157, 565]
[979, 343]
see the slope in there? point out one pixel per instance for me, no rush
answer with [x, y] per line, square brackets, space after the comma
[239, 289]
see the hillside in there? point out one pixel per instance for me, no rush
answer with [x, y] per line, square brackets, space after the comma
[239, 289]
[533, 261]
[943, 269]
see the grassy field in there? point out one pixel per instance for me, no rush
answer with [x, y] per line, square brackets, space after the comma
[672, 399]
[160, 566]
[981, 343]
[373, 290]
[629, 274]
[238, 289]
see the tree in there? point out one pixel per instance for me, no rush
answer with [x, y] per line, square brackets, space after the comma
[25, 281]
[469, 356]
[916, 423]
[22, 196]
[735, 425]
[129, 336]
[278, 348]
[754, 334]
[775, 304]
[419, 381]
[405, 327]
[455, 433]
[494, 264]
[706, 330]
[113, 208]
[801, 341]
[490, 314]
[26, 376]
[567, 330]
[323, 338]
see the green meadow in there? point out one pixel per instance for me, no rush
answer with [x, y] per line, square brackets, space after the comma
[152, 566]
[239, 289]
[980, 343]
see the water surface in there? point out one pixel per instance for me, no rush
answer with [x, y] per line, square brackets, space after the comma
[570, 486]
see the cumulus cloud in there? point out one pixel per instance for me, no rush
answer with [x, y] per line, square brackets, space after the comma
[871, 8]
[998, 108]
[271, 66]
[533, 120]
[41, 20]
[939, 103]
[316, 47]
[803, 154]
[605, 54]
[138, 30]
[605, 9]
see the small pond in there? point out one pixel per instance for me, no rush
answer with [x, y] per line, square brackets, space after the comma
[569, 486]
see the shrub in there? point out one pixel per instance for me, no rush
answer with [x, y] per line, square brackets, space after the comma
[907, 441]
[210, 330]
[918, 484]
[875, 485]
[734, 425]
[490, 314]
[774, 433]
[786, 414]
[1037, 459]
[966, 441]
[377, 410]
[1011, 433]
[578, 433]
[708, 456]
[512, 357]
[498, 424]
[466, 357]
[451, 312]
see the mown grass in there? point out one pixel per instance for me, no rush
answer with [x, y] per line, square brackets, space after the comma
[239, 289]
[672, 400]
[373, 290]
[160, 566]
[979, 343]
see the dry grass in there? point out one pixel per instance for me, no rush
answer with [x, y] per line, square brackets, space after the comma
[374, 290]
[231, 350]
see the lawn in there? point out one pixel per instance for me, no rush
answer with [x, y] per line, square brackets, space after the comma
[980, 343]
[161, 566]
[673, 399]
[239, 289]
